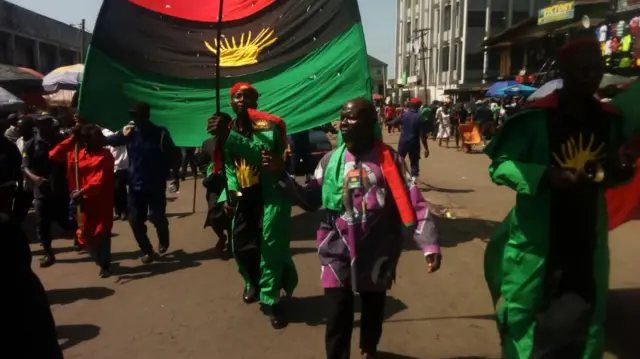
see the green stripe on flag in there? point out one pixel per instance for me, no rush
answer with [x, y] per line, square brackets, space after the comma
[306, 93]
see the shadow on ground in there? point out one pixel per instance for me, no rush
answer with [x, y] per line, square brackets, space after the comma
[72, 335]
[428, 188]
[299, 309]
[85, 257]
[387, 355]
[456, 231]
[171, 262]
[71, 295]
[623, 323]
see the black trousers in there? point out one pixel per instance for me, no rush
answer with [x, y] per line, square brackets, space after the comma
[152, 205]
[22, 204]
[100, 252]
[120, 192]
[340, 307]
[189, 160]
[247, 233]
[48, 210]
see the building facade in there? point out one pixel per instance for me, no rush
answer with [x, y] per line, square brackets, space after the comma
[31, 40]
[438, 43]
[378, 73]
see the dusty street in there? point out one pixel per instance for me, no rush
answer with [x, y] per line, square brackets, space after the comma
[189, 305]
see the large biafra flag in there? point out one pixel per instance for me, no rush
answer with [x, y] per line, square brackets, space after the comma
[305, 57]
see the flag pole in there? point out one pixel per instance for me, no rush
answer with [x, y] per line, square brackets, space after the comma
[218, 41]
[218, 61]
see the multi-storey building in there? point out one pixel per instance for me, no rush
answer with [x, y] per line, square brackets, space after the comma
[28, 39]
[438, 43]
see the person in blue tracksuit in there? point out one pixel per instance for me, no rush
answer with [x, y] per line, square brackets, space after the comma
[414, 130]
[152, 154]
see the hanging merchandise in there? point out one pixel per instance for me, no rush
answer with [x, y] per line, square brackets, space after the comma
[620, 44]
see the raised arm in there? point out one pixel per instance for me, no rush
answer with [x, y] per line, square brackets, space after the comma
[62, 149]
[119, 138]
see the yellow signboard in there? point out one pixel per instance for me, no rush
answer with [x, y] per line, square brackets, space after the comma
[557, 12]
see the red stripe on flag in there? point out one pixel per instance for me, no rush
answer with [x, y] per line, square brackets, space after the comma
[205, 11]
[624, 202]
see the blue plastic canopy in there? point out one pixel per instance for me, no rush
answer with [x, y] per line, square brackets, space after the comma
[518, 90]
[493, 91]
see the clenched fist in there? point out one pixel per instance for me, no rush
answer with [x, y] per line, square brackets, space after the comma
[218, 124]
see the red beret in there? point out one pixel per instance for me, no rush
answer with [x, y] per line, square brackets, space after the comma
[415, 101]
[243, 86]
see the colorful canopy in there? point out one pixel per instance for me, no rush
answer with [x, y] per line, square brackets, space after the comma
[9, 102]
[305, 57]
[494, 90]
[546, 89]
[64, 78]
[517, 90]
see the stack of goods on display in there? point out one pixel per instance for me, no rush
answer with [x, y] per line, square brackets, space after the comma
[620, 42]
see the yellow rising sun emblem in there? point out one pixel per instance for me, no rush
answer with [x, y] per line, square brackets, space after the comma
[246, 174]
[576, 155]
[245, 52]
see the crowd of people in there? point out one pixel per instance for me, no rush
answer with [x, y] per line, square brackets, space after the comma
[546, 267]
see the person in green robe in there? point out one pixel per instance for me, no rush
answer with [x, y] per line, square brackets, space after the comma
[547, 266]
[261, 228]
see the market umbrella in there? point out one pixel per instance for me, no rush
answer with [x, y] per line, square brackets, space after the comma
[518, 90]
[18, 80]
[546, 90]
[615, 80]
[493, 91]
[9, 102]
[64, 78]
[60, 98]
[624, 202]
[607, 80]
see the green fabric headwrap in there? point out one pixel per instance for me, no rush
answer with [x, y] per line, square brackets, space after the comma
[332, 177]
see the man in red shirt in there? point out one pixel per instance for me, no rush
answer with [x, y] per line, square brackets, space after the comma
[388, 116]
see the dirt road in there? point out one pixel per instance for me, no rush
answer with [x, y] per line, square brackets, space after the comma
[189, 305]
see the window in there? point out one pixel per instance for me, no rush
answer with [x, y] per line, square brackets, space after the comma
[458, 15]
[444, 65]
[475, 61]
[407, 32]
[456, 56]
[447, 18]
[498, 19]
[476, 19]
[406, 66]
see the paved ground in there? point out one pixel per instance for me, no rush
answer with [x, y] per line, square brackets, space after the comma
[188, 305]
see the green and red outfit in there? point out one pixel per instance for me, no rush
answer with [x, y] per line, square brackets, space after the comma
[261, 229]
[547, 267]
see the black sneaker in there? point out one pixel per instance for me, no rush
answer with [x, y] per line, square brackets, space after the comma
[148, 258]
[77, 247]
[105, 273]
[48, 260]
[117, 217]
